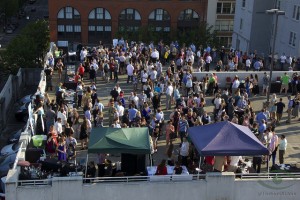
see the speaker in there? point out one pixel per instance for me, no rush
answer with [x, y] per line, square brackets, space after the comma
[133, 163]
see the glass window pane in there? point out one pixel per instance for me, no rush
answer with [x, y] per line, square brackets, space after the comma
[219, 7]
[60, 14]
[91, 28]
[166, 29]
[151, 16]
[137, 16]
[158, 28]
[61, 28]
[99, 28]
[195, 15]
[69, 28]
[77, 28]
[107, 15]
[107, 28]
[92, 14]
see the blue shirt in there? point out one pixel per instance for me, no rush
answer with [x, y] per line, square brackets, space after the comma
[260, 116]
[132, 114]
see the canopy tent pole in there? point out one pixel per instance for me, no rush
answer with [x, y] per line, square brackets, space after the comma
[86, 163]
[268, 166]
[198, 175]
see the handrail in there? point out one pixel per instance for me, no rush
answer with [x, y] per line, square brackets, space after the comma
[34, 182]
[165, 178]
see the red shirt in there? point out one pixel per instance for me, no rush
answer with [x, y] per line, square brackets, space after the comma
[161, 170]
[209, 160]
[81, 70]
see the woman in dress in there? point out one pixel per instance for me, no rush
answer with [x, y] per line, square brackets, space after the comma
[62, 150]
[169, 130]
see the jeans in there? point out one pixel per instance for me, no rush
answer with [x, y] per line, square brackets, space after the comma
[182, 134]
[130, 77]
[168, 101]
[79, 100]
[116, 76]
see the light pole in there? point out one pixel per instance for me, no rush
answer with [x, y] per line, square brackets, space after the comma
[275, 12]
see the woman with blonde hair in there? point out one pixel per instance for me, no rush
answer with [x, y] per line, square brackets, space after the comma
[272, 106]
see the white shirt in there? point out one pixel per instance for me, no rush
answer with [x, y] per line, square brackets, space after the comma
[235, 160]
[58, 127]
[155, 54]
[217, 102]
[169, 90]
[144, 77]
[120, 110]
[63, 117]
[184, 150]
[159, 116]
[248, 62]
[208, 59]
[236, 84]
[153, 75]
[130, 69]
[136, 101]
[282, 59]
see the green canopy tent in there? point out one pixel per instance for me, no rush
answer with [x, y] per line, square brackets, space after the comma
[119, 140]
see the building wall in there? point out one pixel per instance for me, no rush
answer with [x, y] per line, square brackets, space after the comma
[215, 186]
[286, 25]
[145, 7]
[214, 18]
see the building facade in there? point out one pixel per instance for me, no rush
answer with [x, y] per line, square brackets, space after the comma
[252, 26]
[220, 15]
[91, 21]
[288, 31]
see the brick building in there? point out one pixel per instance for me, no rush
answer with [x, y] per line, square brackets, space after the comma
[91, 21]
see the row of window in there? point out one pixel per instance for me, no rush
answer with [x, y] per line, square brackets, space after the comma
[292, 39]
[129, 14]
[226, 8]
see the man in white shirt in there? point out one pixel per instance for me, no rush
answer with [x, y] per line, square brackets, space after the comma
[136, 100]
[58, 126]
[155, 56]
[130, 70]
[282, 61]
[235, 85]
[184, 151]
[234, 163]
[120, 109]
[122, 60]
[208, 60]
[169, 93]
[83, 54]
[248, 64]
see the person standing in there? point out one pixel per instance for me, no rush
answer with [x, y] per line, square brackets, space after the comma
[183, 126]
[208, 60]
[284, 83]
[282, 148]
[116, 70]
[266, 81]
[282, 61]
[169, 93]
[184, 151]
[130, 70]
[279, 110]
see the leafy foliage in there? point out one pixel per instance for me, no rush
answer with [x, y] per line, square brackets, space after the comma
[27, 50]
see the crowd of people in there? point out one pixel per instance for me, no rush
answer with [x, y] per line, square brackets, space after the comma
[162, 82]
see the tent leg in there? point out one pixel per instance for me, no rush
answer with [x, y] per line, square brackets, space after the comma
[268, 166]
[86, 163]
[151, 163]
[198, 175]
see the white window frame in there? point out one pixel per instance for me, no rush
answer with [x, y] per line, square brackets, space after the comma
[292, 38]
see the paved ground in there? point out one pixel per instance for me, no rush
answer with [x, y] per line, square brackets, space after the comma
[290, 130]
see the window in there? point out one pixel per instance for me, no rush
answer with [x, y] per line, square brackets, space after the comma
[225, 8]
[99, 13]
[188, 15]
[130, 14]
[77, 29]
[278, 4]
[225, 41]
[61, 28]
[68, 13]
[296, 12]
[159, 15]
[244, 3]
[224, 25]
[292, 40]
[241, 24]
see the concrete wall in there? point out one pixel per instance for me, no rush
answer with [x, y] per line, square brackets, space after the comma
[242, 75]
[214, 187]
[13, 90]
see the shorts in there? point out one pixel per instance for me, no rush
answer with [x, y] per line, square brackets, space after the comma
[265, 87]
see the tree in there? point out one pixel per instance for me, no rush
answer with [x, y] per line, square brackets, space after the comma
[27, 50]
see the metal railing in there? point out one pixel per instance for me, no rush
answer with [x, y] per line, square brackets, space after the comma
[165, 179]
[43, 182]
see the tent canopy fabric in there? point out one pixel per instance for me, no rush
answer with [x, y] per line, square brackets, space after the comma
[226, 139]
[119, 140]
